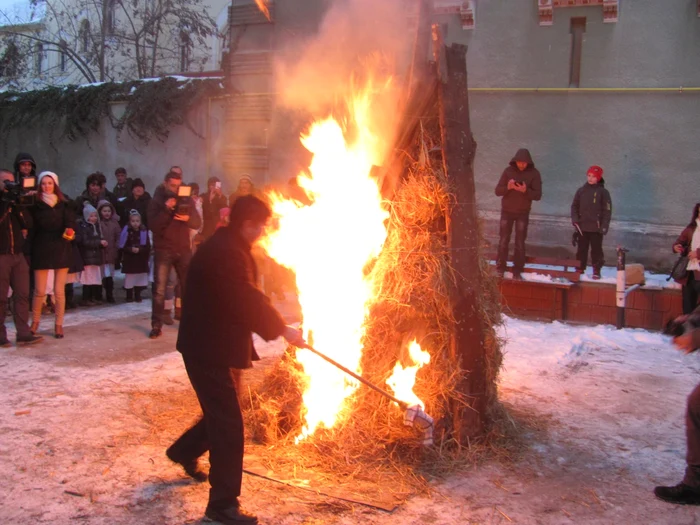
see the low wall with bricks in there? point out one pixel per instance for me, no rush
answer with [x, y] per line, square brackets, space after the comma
[590, 303]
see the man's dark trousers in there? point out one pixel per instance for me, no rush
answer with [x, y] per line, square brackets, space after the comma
[14, 271]
[595, 241]
[220, 431]
[163, 263]
[521, 221]
[690, 292]
[692, 429]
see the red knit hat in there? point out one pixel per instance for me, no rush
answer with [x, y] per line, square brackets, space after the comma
[596, 171]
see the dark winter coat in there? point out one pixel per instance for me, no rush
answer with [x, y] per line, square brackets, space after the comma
[76, 261]
[95, 201]
[89, 240]
[22, 157]
[110, 232]
[592, 208]
[514, 201]
[49, 250]
[13, 219]
[123, 191]
[128, 239]
[169, 235]
[222, 306]
[210, 213]
[685, 239]
[140, 205]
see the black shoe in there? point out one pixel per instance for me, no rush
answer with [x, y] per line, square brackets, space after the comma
[517, 276]
[190, 467]
[596, 275]
[5, 344]
[155, 333]
[230, 515]
[167, 319]
[681, 494]
[28, 340]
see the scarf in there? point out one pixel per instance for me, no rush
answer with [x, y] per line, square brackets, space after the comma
[50, 198]
[694, 245]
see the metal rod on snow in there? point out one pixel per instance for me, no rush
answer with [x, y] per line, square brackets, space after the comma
[361, 379]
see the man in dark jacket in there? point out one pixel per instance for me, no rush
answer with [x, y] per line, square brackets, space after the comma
[687, 492]
[122, 189]
[519, 185]
[212, 202]
[95, 191]
[24, 166]
[222, 308]
[14, 270]
[171, 241]
[590, 214]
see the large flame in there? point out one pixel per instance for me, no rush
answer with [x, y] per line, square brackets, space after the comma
[263, 6]
[328, 245]
[403, 379]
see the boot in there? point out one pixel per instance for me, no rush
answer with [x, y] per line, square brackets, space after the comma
[680, 494]
[97, 293]
[130, 295]
[137, 293]
[87, 296]
[70, 296]
[108, 283]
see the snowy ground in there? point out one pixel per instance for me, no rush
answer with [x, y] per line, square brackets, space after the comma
[604, 410]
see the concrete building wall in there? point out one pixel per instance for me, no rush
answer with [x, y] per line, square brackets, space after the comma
[645, 141]
[74, 161]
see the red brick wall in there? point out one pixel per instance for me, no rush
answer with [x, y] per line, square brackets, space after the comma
[592, 303]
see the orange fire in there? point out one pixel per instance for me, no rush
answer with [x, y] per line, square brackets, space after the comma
[329, 243]
[403, 379]
[263, 6]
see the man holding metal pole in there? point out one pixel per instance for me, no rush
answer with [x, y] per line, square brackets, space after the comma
[222, 307]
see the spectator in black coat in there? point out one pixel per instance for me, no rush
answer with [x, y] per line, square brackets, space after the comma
[212, 202]
[519, 185]
[139, 201]
[222, 307]
[92, 251]
[95, 191]
[51, 235]
[171, 241]
[591, 211]
[24, 166]
[122, 189]
[14, 270]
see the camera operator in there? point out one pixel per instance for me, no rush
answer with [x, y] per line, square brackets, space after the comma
[171, 241]
[14, 270]
[687, 492]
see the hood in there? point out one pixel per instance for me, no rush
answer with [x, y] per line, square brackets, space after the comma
[162, 194]
[522, 155]
[104, 203]
[87, 210]
[22, 157]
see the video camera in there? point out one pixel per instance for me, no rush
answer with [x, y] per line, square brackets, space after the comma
[183, 206]
[18, 192]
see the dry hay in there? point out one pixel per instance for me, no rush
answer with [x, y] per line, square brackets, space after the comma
[415, 283]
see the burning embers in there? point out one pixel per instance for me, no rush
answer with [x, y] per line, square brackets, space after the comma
[329, 244]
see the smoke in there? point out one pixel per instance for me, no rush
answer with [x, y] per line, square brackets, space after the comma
[360, 44]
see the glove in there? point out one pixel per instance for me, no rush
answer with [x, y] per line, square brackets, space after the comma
[575, 238]
[604, 231]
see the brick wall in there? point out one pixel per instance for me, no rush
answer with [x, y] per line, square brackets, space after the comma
[592, 303]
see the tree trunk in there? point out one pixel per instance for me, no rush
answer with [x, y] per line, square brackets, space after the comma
[458, 150]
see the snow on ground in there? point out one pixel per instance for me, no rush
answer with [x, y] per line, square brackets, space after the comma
[603, 412]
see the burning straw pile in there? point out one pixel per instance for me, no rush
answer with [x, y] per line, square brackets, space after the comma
[415, 286]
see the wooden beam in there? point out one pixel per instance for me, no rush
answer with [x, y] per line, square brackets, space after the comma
[458, 150]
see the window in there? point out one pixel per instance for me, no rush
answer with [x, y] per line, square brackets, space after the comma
[578, 28]
[185, 50]
[39, 58]
[84, 36]
[109, 15]
[62, 59]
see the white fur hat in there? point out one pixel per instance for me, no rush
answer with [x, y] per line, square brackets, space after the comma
[48, 174]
